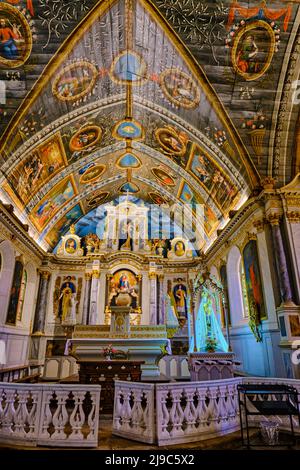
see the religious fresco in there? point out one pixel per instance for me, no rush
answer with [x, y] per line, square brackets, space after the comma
[180, 297]
[173, 143]
[15, 291]
[163, 177]
[129, 67]
[36, 169]
[157, 199]
[129, 187]
[128, 129]
[255, 296]
[85, 138]
[188, 196]
[66, 296]
[212, 178]
[179, 88]
[63, 225]
[124, 290]
[15, 37]
[91, 173]
[53, 202]
[253, 47]
[75, 81]
[224, 282]
[97, 198]
[128, 160]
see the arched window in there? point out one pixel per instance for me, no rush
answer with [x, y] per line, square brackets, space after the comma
[223, 278]
[15, 293]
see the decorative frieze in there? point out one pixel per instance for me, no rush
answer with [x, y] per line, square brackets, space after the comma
[293, 216]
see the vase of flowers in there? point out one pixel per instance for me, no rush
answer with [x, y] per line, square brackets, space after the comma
[210, 344]
[109, 352]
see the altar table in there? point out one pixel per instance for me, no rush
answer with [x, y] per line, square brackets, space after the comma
[104, 373]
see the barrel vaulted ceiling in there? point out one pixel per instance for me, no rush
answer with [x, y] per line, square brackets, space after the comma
[170, 101]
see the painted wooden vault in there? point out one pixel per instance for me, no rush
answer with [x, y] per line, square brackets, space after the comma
[123, 106]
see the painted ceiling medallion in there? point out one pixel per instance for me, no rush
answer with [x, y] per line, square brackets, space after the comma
[16, 37]
[129, 67]
[253, 45]
[171, 141]
[85, 138]
[75, 81]
[163, 177]
[97, 199]
[128, 129]
[157, 198]
[129, 188]
[179, 88]
[92, 174]
[128, 160]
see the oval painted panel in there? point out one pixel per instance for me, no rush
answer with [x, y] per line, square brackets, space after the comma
[253, 49]
[85, 138]
[15, 37]
[92, 174]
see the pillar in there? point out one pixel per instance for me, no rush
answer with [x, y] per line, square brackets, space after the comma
[41, 306]
[161, 298]
[153, 298]
[281, 262]
[93, 313]
[87, 296]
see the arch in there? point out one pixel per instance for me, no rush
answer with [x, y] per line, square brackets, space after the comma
[234, 286]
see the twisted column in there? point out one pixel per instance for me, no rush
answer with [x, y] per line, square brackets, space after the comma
[41, 305]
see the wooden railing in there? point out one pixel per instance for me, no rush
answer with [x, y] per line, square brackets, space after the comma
[49, 415]
[20, 373]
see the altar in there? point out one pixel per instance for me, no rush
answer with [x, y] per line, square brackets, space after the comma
[145, 343]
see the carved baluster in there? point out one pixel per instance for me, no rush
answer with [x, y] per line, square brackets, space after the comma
[190, 412]
[21, 413]
[92, 419]
[60, 416]
[176, 413]
[77, 417]
[163, 414]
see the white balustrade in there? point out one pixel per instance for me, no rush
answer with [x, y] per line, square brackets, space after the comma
[185, 412]
[49, 415]
[134, 411]
[188, 412]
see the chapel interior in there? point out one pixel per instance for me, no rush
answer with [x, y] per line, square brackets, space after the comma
[149, 217]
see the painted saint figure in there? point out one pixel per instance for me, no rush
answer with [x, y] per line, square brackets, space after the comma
[65, 299]
[10, 37]
[246, 55]
[180, 295]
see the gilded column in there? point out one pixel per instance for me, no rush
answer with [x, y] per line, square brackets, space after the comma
[281, 262]
[153, 298]
[87, 297]
[93, 313]
[41, 305]
[161, 303]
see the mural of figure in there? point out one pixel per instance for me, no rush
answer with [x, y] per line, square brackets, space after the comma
[124, 283]
[246, 55]
[126, 233]
[66, 291]
[180, 295]
[10, 36]
[66, 303]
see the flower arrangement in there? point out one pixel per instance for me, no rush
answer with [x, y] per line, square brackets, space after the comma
[257, 121]
[109, 351]
[210, 344]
